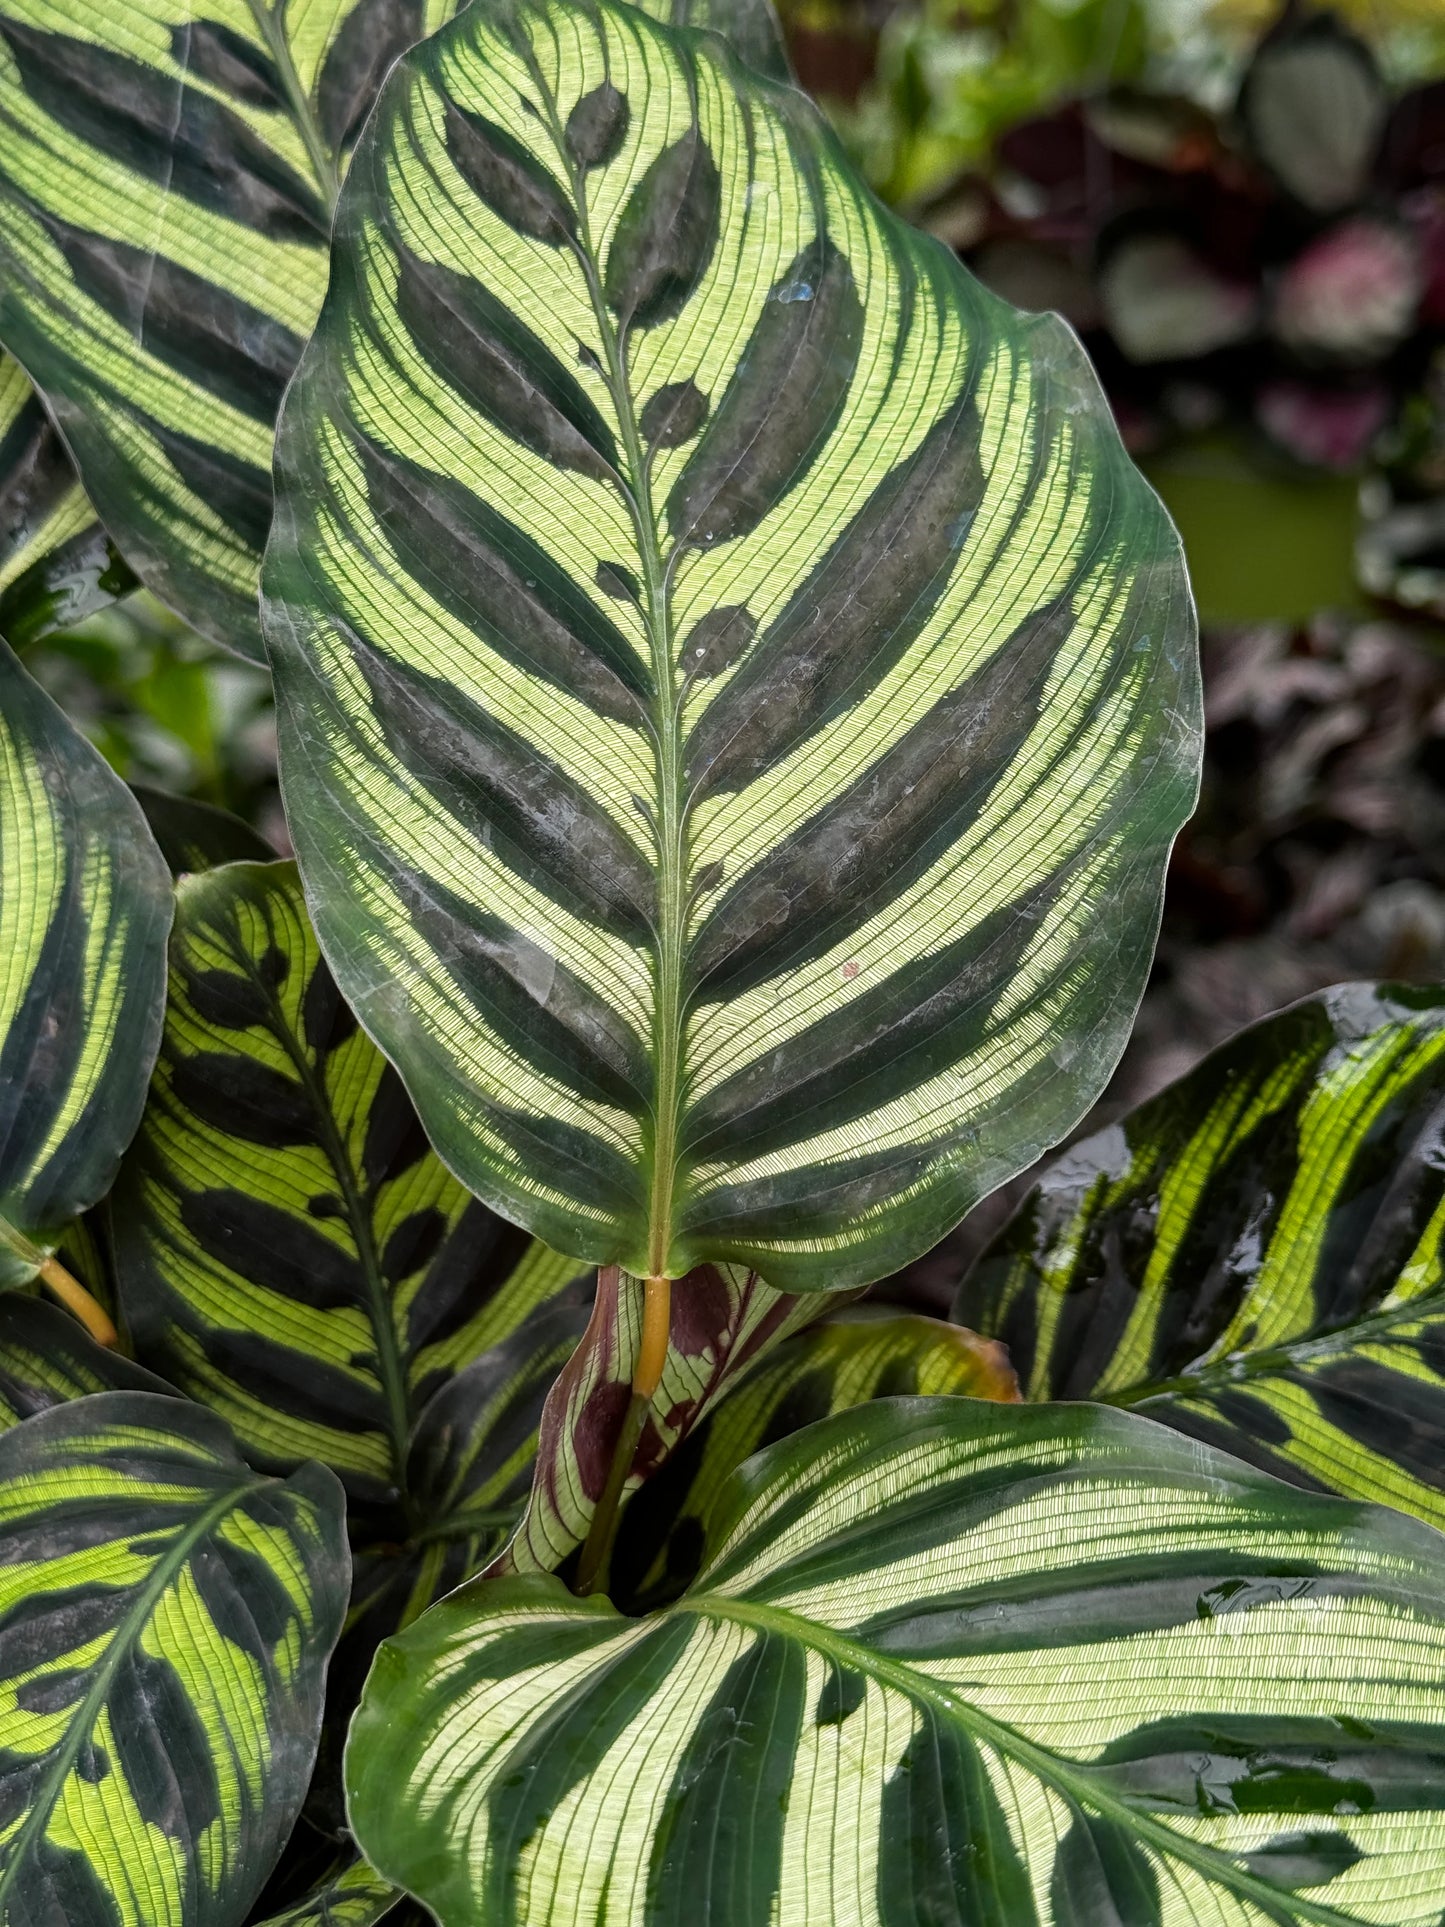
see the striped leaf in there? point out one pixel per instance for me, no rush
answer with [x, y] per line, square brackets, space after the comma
[85, 902]
[47, 1359]
[192, 835]
[167, 177]
[289, 1249]
[56, 562]
[1254, 1256]
[948, 1662]
[468, 1475]
[354, 1897]
[724, 1320]
[855, 1356]
[735, 693]
[165, 1619]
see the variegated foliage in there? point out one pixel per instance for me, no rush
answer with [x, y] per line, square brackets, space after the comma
[85, 903]
[736, 695]
[47, 1359]
[165, 1619]
[56, 562]
[291, 1253]
[1255, 1255]
[167, 177]
[947, 1661]
[855, 1356]
[724, 1319]
[353, 1897]
[192, 835]
[290, 1250]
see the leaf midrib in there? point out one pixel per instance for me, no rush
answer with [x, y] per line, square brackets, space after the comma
[1071, 1780]
[128, 1632]
[670, 828]
[1241, 1368]
[378, 1303]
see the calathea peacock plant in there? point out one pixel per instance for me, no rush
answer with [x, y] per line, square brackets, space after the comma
[735, 702]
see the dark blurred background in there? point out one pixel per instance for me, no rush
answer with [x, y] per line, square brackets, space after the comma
[1241, 208]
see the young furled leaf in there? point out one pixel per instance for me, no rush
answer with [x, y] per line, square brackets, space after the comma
[56, 561]
[947, 1661]
[855, 1356]
[289, 1249]
[724, 1321]
[166, 1615]
[85, 903]
[736, 696]
[1254, 1256]
[168, 175]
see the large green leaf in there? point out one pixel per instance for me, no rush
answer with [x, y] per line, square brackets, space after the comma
[47, 1359]
[736, 695]
[1254, 1255]
[85, 902]
[165, 1618]
[948, 1662]
[56, 562]
[289, 1249]
[858, 1355]
[167, 175]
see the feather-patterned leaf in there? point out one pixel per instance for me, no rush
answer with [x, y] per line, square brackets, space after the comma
[724, 1319]
[1254, 1255]
[855, 1356]
[85, 903]
[167, 175]
[165, 1619]
[289, 1249]
[736, 695]
[56, 562]
[947, 1662]
[46, 1359]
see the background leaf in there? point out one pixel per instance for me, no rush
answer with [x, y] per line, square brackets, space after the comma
[1254, 1256]
[56, 562]
[47, 1359]
[736, 695]
[290, 1251]
[169, 176]
[947, 1661]
[192, 835]
[857, 1355]
[85, 903]
[165, 1620]
[354, 1897]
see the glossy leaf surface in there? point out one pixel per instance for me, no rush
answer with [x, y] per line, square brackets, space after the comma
[167, 180]
[854, 1357]
[948, 1661]
[165, 1620]
[290, 1250]
[1254, 1256]
[724, 1319]
[736, 694]
[56, 562]
[85, 903]
[47, 1359]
